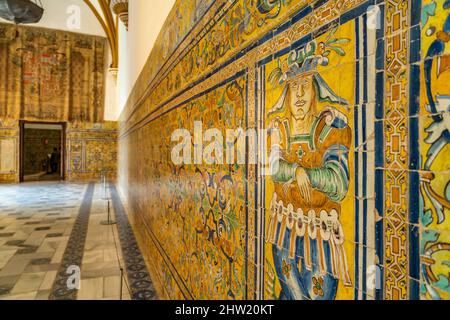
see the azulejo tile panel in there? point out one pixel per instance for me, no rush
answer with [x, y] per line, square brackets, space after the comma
[198, 215]
[9, 151]
[434, 131]
[350, 97]
[92, 151]
[306, 139]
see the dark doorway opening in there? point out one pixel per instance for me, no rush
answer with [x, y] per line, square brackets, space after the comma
[42, 150]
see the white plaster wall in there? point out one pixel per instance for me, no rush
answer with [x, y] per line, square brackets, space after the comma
[123, 77]
[146, 19]
[111, 106]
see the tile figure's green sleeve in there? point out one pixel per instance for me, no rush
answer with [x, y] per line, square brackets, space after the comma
[333, 177]
[281, 170]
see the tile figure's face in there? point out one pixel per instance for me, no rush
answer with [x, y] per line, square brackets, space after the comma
[302, 96]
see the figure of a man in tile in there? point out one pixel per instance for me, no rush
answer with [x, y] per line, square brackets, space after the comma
[309, 162]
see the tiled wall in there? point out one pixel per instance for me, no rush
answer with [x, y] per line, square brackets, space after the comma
[9, 151]
[91, 150]
[356, 98]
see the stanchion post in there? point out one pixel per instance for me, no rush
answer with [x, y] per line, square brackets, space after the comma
[104, 185]
[121, 283]
[109, 222]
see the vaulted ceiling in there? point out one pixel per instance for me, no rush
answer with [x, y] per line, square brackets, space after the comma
[102, 10]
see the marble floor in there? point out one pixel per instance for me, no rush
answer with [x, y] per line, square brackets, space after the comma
[49, 228]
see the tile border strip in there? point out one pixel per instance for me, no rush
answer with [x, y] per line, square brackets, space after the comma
[138, 277]
[73, 255]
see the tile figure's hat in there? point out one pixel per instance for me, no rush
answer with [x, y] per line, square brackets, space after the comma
[307, 66]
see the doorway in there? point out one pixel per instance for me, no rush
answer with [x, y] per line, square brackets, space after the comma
[42, 150]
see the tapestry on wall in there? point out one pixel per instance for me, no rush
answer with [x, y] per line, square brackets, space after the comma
[51, 75]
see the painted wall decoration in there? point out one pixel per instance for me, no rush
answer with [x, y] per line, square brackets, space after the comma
[314, 141]
[348, 101]
[51, 75]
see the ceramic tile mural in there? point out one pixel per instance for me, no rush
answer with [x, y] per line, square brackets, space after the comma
[316, 121]
[348, 101]
[434, 140]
